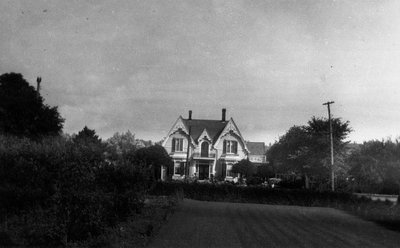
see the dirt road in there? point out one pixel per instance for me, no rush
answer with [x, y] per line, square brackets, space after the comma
[217, 224]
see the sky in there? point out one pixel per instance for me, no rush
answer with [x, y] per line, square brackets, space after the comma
[138, 65]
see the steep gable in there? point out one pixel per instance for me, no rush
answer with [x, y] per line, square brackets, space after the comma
[231, 127]
[178, 125]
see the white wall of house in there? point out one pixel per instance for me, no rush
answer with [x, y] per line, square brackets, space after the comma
[241, 152]
[176, 135]
[257, 158]
[226, 160]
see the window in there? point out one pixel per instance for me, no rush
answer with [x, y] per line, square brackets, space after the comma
[230, 146]
[204, 149]
[229, 172]
[179, 168]
[177, 145]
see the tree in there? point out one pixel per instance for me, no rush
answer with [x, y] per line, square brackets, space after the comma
[245, 168]
[87, 136]
[265, 171]
[88, 147]
[304, 150]
[121, 146]
[376, 167]
[22, 111]
[289, 154]
[318, 129]
[154, 157]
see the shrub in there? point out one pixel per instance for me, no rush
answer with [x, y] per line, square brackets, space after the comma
[63, 191]
[253, 194]
[41, 228]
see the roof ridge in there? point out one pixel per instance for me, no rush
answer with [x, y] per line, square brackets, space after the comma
[202, 120]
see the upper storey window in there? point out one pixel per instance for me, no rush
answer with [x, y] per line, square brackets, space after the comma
[177, 145]
[230, 146]
[204, 149]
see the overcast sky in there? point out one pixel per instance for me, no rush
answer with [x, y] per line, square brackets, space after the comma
[137, 65]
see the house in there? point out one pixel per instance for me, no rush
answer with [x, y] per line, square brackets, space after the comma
[257, 153]
[205, 149]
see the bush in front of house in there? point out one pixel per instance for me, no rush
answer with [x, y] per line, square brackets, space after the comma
[253, 194]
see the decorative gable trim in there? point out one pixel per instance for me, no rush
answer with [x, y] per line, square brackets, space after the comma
[179, 125]
[232, 128]
[204, 134]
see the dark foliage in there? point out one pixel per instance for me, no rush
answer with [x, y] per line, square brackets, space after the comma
[121, 146]
[59, 191]
[22, 110]
[375, 167]
[153, 157]
[265, 171]
[245, 167]
[254, 194]
[305, 150]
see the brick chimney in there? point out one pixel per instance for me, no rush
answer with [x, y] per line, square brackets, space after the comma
[190, 115]
[223, 114]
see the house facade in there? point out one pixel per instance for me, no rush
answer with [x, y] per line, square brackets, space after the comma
[205, 149]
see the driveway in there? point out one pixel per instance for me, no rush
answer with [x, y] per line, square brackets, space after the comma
[219, 224]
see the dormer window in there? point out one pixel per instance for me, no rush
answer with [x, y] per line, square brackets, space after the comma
[230, 146]
[177, 144]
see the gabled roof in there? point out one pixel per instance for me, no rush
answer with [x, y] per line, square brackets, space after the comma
[256, 148]
[213, 127]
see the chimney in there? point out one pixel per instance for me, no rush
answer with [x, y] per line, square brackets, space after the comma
[223, 114]
[190, 115]
[38, 80]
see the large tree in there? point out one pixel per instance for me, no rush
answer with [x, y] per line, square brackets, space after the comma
[22, 109]
[304, 150]
[318, 130]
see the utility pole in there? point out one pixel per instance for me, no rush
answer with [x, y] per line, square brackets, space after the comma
[331, 139]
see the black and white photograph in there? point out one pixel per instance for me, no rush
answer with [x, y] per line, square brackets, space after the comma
[199, 123]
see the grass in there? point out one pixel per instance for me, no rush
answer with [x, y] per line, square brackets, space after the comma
[385, 214]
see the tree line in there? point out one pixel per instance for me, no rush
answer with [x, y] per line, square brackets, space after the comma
[303, 152]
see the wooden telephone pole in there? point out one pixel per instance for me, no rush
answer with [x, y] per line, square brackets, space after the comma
[331, 139]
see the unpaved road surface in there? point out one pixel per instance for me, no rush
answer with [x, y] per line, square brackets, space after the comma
[219, 224]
